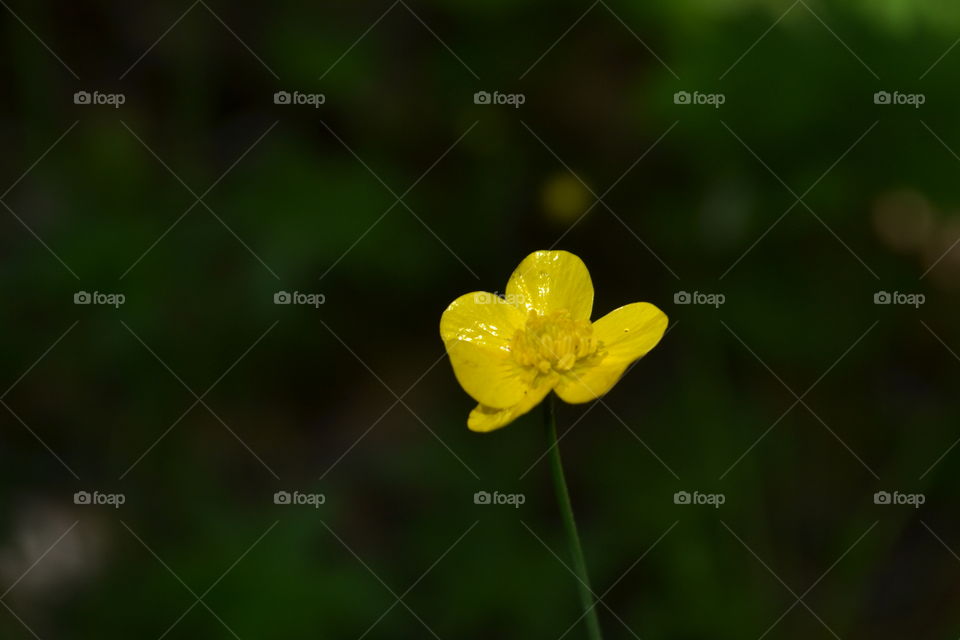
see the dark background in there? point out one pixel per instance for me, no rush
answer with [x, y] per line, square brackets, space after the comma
[355, 400]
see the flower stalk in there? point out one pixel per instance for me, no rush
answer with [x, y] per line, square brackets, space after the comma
[569, 523]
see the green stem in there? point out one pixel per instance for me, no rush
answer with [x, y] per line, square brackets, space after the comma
[569, 524]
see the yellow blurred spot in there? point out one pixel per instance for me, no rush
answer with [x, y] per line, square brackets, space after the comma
[564, 198]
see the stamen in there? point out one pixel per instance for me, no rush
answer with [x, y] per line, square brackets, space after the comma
[554, 342]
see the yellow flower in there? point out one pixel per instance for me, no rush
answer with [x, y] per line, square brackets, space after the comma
[509, 352]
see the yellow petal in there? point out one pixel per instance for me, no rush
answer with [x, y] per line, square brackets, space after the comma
[627, 334]
[484, 419]
[549, 281]
[476, 330]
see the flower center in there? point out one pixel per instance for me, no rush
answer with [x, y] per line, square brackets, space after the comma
[554, 342]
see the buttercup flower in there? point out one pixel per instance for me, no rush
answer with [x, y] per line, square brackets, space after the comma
[509, 352]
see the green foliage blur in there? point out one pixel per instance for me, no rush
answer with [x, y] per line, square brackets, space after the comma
[198, 199]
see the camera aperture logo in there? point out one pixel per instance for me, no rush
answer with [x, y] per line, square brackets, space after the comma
[512, 499]
[297, 98]
[696, 498]
[696, 98]
[896, 98]
[307, 299]
[896, 498]
[512, 99]
[96, 498]
[483, 297]
[908, 299]
[97, 98]
[295, 498]
[709, 299]
[115, 300]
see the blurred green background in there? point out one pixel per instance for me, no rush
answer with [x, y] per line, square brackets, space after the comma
[798, 199]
